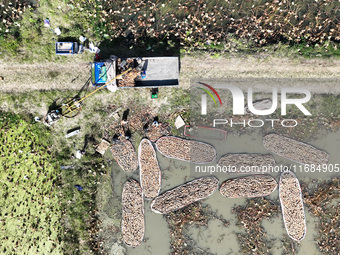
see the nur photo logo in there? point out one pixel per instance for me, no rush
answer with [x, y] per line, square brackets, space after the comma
[238, 98]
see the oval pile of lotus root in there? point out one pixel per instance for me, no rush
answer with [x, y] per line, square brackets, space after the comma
[294, 150]
[255, 162]
[249, 186]
[132, 213]
[187, 150]
[184, 195]
[150, 173]
[292, 206]
[125, 155]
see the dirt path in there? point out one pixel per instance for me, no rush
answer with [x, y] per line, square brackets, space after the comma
[26, 77]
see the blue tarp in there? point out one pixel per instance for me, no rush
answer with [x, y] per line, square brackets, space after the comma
[100, 74]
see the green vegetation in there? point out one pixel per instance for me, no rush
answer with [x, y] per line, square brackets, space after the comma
[24, 36]
[260, 22]
[30, 194]
[41, 210]
[308, 28]
[77, 219]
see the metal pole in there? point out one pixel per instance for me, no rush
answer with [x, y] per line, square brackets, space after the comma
[74, 104]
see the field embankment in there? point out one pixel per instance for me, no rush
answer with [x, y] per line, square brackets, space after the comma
[20, 77]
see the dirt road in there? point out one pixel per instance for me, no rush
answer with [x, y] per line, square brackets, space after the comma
[47, 76]
[72, 75]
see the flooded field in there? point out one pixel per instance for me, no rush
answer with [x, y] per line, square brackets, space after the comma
[214, 237]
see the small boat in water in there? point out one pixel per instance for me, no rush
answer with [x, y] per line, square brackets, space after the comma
[247, 163]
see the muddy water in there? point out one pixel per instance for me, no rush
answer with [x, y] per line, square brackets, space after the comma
[216, 238]
[157, 235]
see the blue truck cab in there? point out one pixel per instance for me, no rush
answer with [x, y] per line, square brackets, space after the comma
[99, 73]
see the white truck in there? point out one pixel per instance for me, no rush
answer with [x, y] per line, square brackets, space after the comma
[151, 72]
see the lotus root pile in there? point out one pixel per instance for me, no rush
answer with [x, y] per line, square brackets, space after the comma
[125, 155]
[292, 206]
[184, 195]
[187, 150]
[294, 150]
[257, 185]
[154, 132]
[249, 186]
[132, 213]
[150, 173]
[255, 162]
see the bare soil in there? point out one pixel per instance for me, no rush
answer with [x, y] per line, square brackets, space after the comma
[18, 77]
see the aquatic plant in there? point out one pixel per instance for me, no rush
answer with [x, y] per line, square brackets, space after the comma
[319, 202]
[208, 23]
[310, 27]
[178, 221]
[249, 217]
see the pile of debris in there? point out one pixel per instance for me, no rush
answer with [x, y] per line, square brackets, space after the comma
[150, 173]
[248, 163]
[184, 195]
[128, 79]
[292, 206]
[125, 155]
[250, 186]
[187, 150]
[295, 150]
[156, 131]
[132, 213]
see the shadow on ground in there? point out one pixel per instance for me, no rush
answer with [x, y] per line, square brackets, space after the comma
[143, 46]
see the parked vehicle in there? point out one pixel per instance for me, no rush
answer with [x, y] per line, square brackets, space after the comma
[68, 48]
